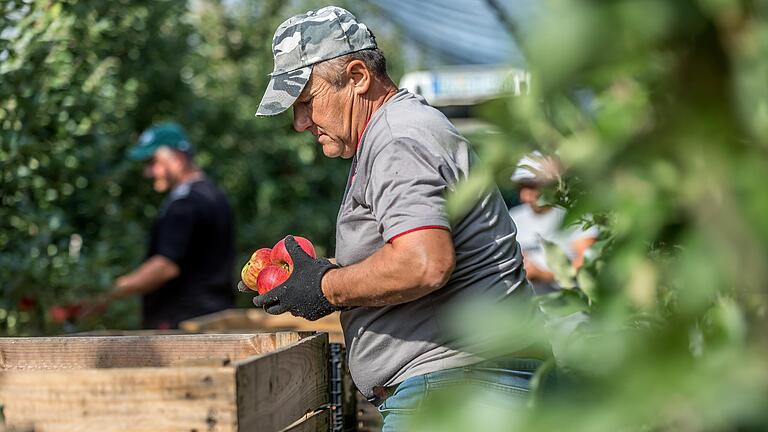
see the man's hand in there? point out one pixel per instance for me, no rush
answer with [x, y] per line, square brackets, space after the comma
[149, 276]
[98, 305]
[301, 294]
[534, 273]
[95, 307]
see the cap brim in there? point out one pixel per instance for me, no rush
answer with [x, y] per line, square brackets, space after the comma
[282, 91]
[140, 153]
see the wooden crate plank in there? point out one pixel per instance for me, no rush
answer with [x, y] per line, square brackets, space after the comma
[105, 400]
[222, 320]
[258, 319]
[117, 332]
[275, 390]
[130, 351]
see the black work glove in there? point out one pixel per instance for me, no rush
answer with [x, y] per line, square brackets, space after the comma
[301, 294]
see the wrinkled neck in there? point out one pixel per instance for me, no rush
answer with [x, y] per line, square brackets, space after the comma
[378, 94]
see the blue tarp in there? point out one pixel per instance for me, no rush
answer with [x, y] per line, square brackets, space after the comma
[462, 31]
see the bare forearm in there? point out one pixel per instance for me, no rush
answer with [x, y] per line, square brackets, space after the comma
[149, 276]
[373, 282]
[397, 273]
[580, 247]
[534, 273]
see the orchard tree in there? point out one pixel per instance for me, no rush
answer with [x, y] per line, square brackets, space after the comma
[79, 80]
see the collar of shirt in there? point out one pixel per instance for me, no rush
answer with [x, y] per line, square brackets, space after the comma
[182, 189]
[353, 168]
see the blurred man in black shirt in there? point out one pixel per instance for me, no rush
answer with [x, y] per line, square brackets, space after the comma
[189, 265]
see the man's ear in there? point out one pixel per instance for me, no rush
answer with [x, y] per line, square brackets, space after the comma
[360, 76]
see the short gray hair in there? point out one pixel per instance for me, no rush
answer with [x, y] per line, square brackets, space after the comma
[333, 70]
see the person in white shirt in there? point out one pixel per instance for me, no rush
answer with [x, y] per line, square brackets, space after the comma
[537, 224]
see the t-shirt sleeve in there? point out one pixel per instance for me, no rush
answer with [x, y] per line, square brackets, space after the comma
[175, 230]
[406, 187]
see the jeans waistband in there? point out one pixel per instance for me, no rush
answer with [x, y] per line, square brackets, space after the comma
[381, 393]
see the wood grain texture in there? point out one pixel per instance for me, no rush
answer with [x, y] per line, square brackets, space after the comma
[275, 390]
[163, 383]
[116, 332]
[105, 400]
[258, 320]
[133, 351]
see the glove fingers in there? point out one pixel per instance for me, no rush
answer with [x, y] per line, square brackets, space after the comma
[259, 301]
[327, 263]
[242, 287]
[296, 252]
[276, 309]
[265, 300]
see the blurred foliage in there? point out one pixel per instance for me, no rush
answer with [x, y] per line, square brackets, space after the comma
[79, 80]
[659, 111]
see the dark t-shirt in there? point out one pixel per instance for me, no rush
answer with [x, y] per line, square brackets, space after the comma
[194, 230]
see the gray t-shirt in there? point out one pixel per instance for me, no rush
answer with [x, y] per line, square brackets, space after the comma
[409, 157]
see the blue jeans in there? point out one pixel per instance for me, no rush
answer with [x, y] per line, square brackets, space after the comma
[503, 383]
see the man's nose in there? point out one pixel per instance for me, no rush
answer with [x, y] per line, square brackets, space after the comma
[301, 120]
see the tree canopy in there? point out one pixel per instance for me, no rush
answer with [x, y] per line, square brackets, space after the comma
[79, 81]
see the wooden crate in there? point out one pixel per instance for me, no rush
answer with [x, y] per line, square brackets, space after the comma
[366, 417]
[209, 382]
[256, 319]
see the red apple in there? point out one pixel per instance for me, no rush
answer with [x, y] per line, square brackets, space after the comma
[58, 314]
[261, 258]
[270, 277]
[246, 276]
[250, 272]
[281, 257]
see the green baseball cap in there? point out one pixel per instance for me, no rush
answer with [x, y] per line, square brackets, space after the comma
[167, 134]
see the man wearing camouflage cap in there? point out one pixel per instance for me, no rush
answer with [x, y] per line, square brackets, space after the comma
[401, 266]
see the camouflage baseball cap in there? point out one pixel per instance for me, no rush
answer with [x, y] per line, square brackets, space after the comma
[306, 39]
